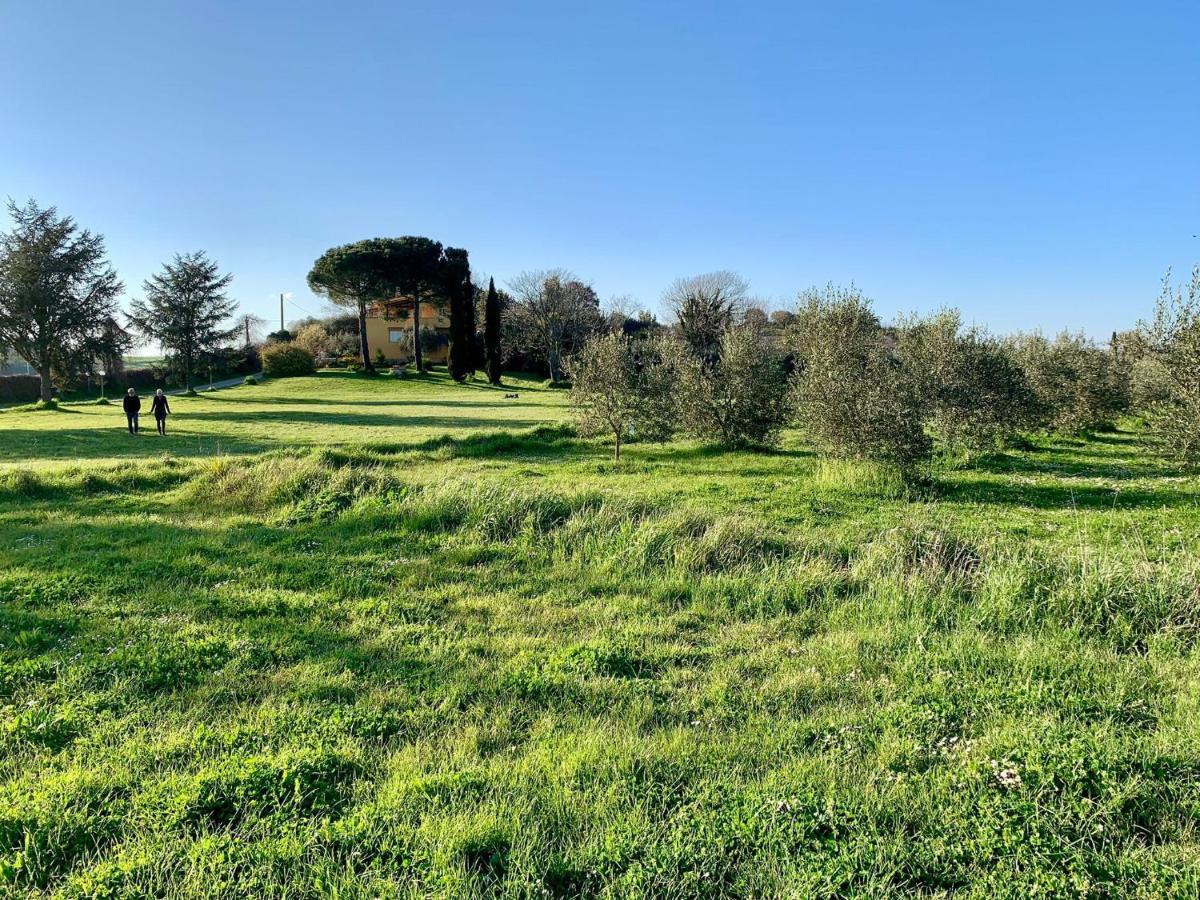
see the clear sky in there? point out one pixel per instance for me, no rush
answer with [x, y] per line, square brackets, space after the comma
[1036, 164]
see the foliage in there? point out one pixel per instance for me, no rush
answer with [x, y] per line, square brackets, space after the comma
[377, 269]
[705, 308]
[623, 388]
[460, 291]
[492, 353]
[974, 392]
[552, 316]
[1169, 382]
[287, 360]
[392, 663]
[282, 336]
[186, 311]
[853, 398]
[57, 293]
[739, 399]
[1078, 386]
[314, 338]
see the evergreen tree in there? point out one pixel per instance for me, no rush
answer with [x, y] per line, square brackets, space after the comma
[491, 333]
[57, 292]
[186, 311]
[461, 294]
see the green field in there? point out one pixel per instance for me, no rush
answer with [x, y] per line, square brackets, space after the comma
[343, 637]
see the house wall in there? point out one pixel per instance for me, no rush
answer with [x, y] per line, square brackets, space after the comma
[381, 327]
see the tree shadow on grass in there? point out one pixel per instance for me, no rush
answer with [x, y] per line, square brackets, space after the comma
[364, 420]
[1058, 497]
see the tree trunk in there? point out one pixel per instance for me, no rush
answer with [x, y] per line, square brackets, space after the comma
[47, 387]
[617, 450]
[418, 357]
[368, 366]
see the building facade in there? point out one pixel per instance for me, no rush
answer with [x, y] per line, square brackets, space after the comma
[390, 329]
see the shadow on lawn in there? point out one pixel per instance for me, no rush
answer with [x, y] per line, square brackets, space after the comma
[305, 417]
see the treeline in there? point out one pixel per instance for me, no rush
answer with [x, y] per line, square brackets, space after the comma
[898, 393]
[59, 312]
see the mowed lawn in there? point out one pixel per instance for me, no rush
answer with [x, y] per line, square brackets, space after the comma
[329, 408]
[344, 657]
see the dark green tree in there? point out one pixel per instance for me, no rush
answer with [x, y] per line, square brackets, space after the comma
[57, 292]
[491, 333]
[359, 274]
[461, 294]
[187, 311]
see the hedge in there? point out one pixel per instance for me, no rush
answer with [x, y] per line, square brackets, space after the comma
[20, 388]
[282, 360]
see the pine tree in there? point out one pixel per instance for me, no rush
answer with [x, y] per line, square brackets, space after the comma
[491, 333]
[186, 311]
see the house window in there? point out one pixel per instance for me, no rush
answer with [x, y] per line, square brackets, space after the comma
[396, 335]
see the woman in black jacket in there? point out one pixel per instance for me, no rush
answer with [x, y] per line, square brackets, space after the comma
[133, 405]
[161, 409]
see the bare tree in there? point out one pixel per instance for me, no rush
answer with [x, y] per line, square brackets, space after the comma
[705, 308]
[552, 315]
[250, 326]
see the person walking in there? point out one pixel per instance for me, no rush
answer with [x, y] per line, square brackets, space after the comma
[161, 410]
[133, 405]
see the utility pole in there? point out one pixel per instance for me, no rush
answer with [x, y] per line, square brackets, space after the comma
[281, 312]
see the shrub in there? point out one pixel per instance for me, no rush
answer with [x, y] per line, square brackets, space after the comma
[313, 338]
[250, 380]
[1169, 376]
[973, 391]
[1078, 386]
[624, 388]
[738, 399]
[852, 395]
[283, 360]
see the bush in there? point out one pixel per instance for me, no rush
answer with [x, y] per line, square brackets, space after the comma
[1169, 376]
[1078, 386]
[20, 388]
[284, 360]
[250, 380]
[853, 397]
[623, 388]
[973, 391]
[738, 399]
[313, 338]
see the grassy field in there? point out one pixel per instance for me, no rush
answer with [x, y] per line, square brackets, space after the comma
[331, 408]
[307, 647]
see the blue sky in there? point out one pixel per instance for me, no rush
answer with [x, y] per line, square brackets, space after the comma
[1035, 164]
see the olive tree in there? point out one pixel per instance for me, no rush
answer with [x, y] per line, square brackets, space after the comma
[739, 399]
[973, 392]
[852, 396]
[1172, 340]
[1079, 385]
[624, 387]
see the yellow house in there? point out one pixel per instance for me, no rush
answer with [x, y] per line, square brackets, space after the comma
[390, 329]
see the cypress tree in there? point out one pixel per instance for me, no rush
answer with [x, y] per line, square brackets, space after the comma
[491, 333]
[460, 292]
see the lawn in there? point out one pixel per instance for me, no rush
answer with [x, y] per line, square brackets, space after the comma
[343, 637]
[329, 408]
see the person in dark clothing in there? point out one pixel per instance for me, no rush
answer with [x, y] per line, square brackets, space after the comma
[161, 410]
[133, 405]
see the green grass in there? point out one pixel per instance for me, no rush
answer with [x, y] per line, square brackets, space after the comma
[329, 408]
[352, 657]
